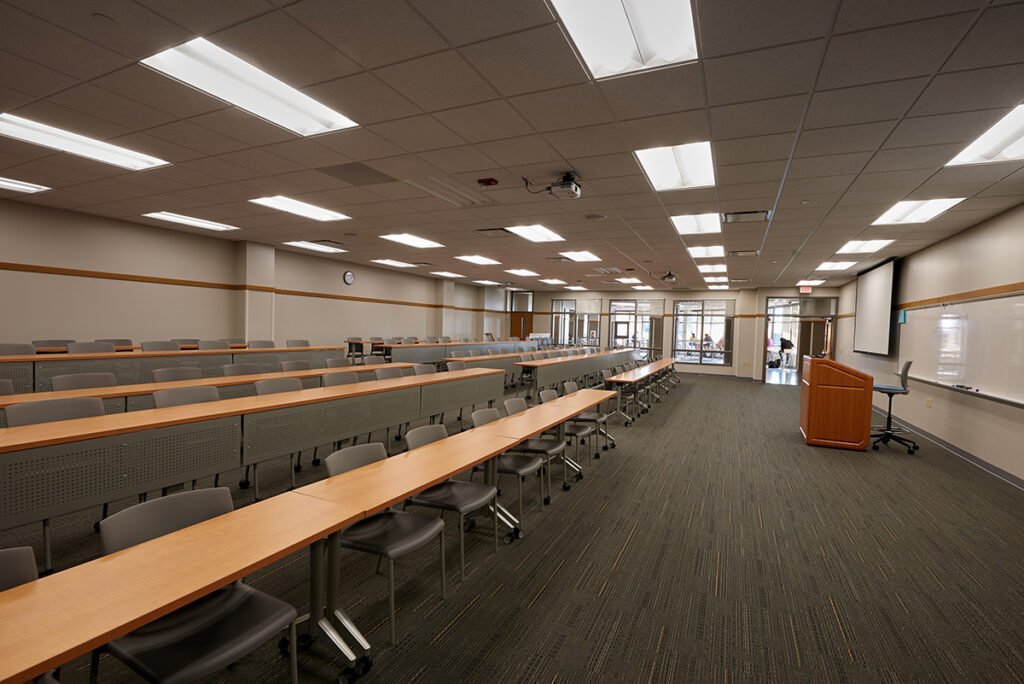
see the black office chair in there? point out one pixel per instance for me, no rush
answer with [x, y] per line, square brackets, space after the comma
[889, 433]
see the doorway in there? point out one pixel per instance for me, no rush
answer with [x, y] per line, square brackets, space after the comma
[796, 327]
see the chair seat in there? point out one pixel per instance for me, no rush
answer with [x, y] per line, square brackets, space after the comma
[891, 389]
[204, 636]
[456, 495]
[518, 464]
[541, 445]
[591, 417]
[579, 431]
[391, 534]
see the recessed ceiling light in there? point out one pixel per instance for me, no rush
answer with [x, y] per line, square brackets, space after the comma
[809, 283]
[706, 252]
[835, 265]
[916, 211]
[580, 256]
[1003, 142]
[628, 281]
[711, 268]
[478, 260]
[73, 143]
[189, 221]
[536, 233]
[316, 247]
[486, 282]
[392, 262]
[412, 240]
[863, 246]
[20, 186]
[552, 281]
[577, 288]
[716, 279]
[282, 203]
[696, 224]
[446, 274]
[642, 287]
[678, 167]
[204, 66]
[521, 272]
[617, 37]
[718, 287]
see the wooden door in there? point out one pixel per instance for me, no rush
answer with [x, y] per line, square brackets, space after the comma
[521, 325]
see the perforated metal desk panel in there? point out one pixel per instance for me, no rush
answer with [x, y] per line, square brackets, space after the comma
[21, 373]
[548, 375]
[450, 396]
[417, 353]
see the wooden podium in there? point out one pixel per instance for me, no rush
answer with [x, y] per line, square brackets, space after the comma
[835, 404]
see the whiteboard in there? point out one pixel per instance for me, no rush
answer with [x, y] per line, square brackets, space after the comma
[979, 344]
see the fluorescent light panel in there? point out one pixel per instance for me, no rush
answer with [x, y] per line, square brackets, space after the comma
[316, 247]
[1003, 142]
[718, 287]
[711, 268]
[412, 240]
[521, 272]
[580, 256]
[716, 279]
[189, 221]
[706, 252]
[642, 287]
[20, 186]
[486, 282]
[446, 274]
[478, 260]
[552, 281]
[628, 281]
[392, 262]
[863, 246]
[809, 283]
[282, 203]
[678, 167]
[204, 66]
[916, 211]
[73, 143]
[697, 224]
[616, 37]
[575, 288]
[835, 265]
[536, 233]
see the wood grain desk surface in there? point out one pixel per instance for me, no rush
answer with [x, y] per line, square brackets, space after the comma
[523, 425]
[495, 356]
[638, 374]
[231, 345]
[563, 359]
[63, 431]
[63, 350]
[21, 358]
[57, 618]
[449, 344]
[222, 381]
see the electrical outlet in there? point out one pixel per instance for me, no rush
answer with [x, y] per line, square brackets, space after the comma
[928, 402]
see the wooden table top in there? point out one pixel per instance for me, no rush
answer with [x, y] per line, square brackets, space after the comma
[495, 356]
[638, 374]
[63, 431]
[21, 358]
[63, 350]
[450, 344]
[523, 425]
[221, 381]
[231, 345]
[563, 359]
[49, 622]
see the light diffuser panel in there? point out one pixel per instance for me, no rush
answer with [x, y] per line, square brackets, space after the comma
[678, 167]
[73, 143]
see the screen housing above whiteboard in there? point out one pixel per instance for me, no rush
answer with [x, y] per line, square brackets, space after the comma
[872, 331]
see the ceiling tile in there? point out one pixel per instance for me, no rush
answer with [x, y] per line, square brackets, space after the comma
[468, 21]
[842, 139]
[458, 159]
[923, 157]
[552, 110]
[418, 133]
[603, 139]
[523, 150]
[863, 104]
[763, 74]
[855, 15]
[150, 88]
[740, 25]
[440, 81]
[49, 113]
[103, 104]
[606, 166]
[667, 129]
[757, 118]
[994, 40]
[750, 173]
[364, 98]
[963, 91]
[204, 17]
[756, 149]
[486, 121]
[828, 165]
[948, 128]
[28, 77]
[241, 125]
[196, 137]
[525, 62]
[655, 92]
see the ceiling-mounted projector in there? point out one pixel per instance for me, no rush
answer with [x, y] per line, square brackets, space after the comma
[566, 188]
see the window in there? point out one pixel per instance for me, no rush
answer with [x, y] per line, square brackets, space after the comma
[636, 323]
[703, 332]
[561, 320]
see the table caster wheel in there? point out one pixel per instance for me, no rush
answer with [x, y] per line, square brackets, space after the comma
[359, 668]
[508, 538]
[629, 423]
[298, 468]
[579, 476]
[910, 451]
[547, 500]
[604, 448]
[316, 461]
[597, 454]
[243, 484]
[469, 525]
[613, 446]
[398, 438]
[566, 486]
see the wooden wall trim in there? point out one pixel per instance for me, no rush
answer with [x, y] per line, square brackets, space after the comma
[995, 291]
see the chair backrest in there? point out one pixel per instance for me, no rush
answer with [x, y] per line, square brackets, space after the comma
[424, 369]
[213, 344]
[51, 410]
[12, 348]
[296, 343]
[179, 396]
[456, 365]
[160, 345]
[185, 340]
[82, 381]
[230, 369]
[459, 354]
[181, 373]
[332, 379]
[90, 347]
[432, 340]
[275, 385]
[493, 350]
[117, 341]
[424, 434]
[474, 352]
[904, 373]
[547, 395]
[376, 339]
[395, 340]
[484, 416]
[6, 386]
[568, 387]
[51, 343]
[17, 566]
[513, 339]
[515, 405]
[444, 340]
[233, 340]
[157, 517]
[296, 365]
[261, 344]
[353, 457]
[373, 360]
[408, 340]
[387, 373]
[338, 362]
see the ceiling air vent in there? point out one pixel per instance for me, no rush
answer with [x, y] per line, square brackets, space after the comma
[743, 253]
[609, 270]
[745, 216]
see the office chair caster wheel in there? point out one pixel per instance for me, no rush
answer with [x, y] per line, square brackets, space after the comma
[566, 486]
[398, 438]
[579, 476]
[629, 423]
[597, 454]
[875, 447]
[910, 451]
[604, 448]
[359, 668]
[547, 500]
[469, 525]
[243, 484]
[298, 468]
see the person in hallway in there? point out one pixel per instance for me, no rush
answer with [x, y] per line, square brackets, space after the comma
[784, 347]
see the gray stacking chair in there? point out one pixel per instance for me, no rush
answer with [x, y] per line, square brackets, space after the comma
[117, 341]
[598, 418]
[387, 373]
[232, 369]
[50, 410]
[6, 386]
[374, 360]
[456, 365]
[355, 347]
[82, 380]
[213, 344]
[474, 352]
[208, 634]
[577, 432]
[453, 495]
[546, 446]
[51, 343]
[296, 343]
[18, 566]
[339, 362]
[261, 344]
[180, 396]
[424, 369]
[431, 340]
[185, 340]
[275, 386]
[297, 365]
[233, 340]
[408, 340]
[519, 465]
[14, 348]
[342, 378]
[160, 345]
[444, 340]
[178, 373]
[90, 347]
[459, 354]
[390, 534]
[376, 347]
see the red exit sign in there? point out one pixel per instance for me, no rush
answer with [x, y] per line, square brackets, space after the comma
[805, 289]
